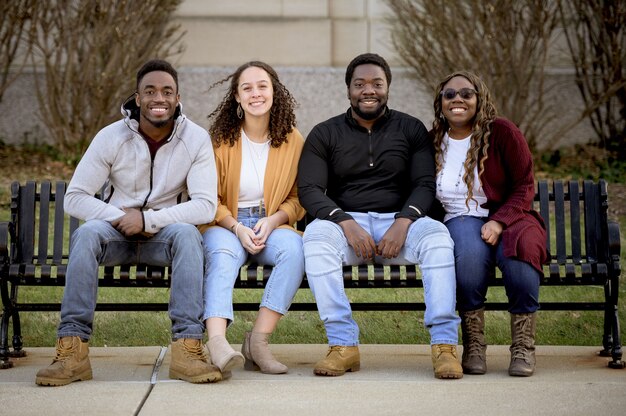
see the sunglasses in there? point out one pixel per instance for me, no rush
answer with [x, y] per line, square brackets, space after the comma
[464, 93]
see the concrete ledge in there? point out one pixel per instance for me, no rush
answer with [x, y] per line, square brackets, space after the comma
[394, 380]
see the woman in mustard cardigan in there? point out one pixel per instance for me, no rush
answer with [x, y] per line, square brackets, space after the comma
[257, 149]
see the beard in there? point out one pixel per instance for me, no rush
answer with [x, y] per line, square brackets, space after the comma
[370, 115]
[160, 123]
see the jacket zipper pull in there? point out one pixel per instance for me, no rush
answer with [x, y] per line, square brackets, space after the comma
[369, 136]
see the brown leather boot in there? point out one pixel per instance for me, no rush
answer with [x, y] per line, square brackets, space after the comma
[70, 364]
[339, 359]
[222, 354]
[523, 344]
[189, 362]
[474, 360]
[446, 361]
[258, 356]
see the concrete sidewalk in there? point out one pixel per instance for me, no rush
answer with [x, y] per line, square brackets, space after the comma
[394, 380]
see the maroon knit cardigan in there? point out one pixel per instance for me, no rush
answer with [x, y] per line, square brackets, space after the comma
[509, 185]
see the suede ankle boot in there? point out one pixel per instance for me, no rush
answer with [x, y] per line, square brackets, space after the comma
[70, 364]
[445, 361]
[222, 354]
[474, 359]
[258, 356]
[523, 344]
[189, 362]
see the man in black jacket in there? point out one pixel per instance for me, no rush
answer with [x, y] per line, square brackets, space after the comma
[368, 178]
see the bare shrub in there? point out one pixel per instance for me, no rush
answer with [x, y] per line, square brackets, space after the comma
[596, 37]
[505, 42]
[90, 51]
[15, 44]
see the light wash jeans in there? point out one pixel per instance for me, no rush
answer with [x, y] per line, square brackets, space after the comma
[98, 242]
[225, 255]
[428, 244]
[475, 260]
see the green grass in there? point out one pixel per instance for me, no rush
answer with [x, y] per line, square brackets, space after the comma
[392, 327]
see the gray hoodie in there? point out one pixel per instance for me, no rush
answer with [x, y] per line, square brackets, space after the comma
[179, 186]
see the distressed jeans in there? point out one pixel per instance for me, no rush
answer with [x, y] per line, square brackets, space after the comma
[225, 255]
[97, 242]
[475, 261]
[428, 244]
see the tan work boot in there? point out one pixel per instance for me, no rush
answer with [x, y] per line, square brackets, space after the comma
[339, 359]
[258, 356]
[189, 362]
[445, 361]
[474, 359]
[70, 364]
[523, 345]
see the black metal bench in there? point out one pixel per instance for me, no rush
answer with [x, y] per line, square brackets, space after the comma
[584, 246]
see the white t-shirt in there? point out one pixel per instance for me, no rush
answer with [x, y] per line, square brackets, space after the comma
[451, 190]
[253, 162]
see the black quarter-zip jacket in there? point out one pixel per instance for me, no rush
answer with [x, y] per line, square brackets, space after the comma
[345, 167]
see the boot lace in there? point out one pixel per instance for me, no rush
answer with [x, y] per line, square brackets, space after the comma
[194, 351]
[523, 328]
[446, 349]
[336, 348]
[474, 338]
[64, 351]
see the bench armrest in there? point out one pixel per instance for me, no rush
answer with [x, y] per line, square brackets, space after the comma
[4, 243]
[614, 241]
[614, 245]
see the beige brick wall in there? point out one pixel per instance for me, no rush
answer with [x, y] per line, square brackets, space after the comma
[296, 33]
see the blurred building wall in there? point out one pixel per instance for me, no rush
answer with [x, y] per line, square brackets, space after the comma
[308, 42]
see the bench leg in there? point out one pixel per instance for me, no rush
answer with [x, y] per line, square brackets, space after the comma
[607, 336]
[4, 327]
[616, 348]
[17, 328]
[611, 340]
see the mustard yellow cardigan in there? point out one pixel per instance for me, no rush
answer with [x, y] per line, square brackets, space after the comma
[280, 190]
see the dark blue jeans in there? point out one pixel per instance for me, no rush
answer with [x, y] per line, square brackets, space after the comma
[475, 259]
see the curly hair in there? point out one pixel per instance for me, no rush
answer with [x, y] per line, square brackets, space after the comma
[226, 126]
[481, 130]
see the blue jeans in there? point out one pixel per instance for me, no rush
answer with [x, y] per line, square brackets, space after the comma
[225, 255]
[428, 244]
[97, 242]
[475, 261]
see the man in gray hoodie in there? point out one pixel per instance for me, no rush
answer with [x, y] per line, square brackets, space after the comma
[158, 172]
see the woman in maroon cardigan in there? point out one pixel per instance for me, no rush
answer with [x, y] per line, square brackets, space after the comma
[486, 186]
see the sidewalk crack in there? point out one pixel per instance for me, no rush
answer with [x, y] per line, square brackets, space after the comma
[153, 379]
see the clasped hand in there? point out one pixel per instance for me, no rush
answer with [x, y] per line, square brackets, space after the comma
[253, 239]
[490, 232]
[131, 223]
[363, 244]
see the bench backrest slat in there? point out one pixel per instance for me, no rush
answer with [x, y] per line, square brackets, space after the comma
[26, 229]
[544, 208]
[44, 216]
[591, 226]
[574, 197]
[559, 221]
[59, 223]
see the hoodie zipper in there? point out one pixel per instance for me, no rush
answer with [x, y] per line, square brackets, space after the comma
[145, 201]
[371, 153]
